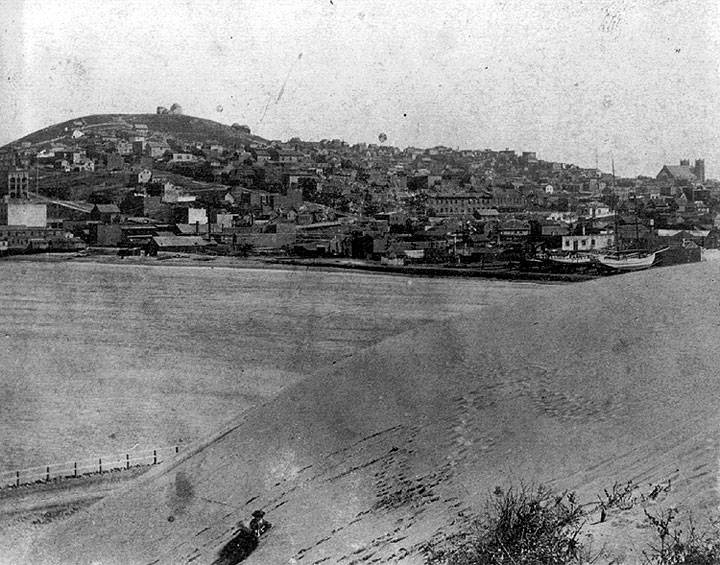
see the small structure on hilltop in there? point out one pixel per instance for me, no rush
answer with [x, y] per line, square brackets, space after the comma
[176, 109]
[242, 128]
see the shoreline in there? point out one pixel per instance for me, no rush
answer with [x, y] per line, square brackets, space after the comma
[293, 264]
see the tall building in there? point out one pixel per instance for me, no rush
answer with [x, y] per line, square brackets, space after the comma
[16, 208]
[18, 184]
[683, 172]
[699, 169]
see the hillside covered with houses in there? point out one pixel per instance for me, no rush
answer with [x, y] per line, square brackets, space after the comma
[166, 183]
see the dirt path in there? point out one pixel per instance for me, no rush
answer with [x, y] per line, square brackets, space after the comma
[26, 511]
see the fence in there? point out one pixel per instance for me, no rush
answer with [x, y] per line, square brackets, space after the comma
[95, 465]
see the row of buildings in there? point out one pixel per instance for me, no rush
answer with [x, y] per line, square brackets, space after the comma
[330, 197]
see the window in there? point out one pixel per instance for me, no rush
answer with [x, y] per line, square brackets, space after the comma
[592, 242]
[583, 242]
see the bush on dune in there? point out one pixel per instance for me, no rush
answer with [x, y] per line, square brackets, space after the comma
[521, 526]
[674, 546]
[534, 526]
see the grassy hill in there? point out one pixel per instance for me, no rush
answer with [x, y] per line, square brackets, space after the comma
[578, 388]
[180, 127]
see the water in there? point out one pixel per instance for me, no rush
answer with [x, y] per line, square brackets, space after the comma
[100, 358]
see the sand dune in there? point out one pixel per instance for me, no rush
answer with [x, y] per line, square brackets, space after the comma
[587, 385]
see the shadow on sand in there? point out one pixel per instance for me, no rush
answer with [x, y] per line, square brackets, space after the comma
[238, 548]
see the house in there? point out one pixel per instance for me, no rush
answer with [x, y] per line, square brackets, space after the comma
[458, 204]
[680, 238]
[514, 229]
[156, 149]
[105, 235]
[289, 156]
[73, 156]
[177, 244]
[84, 164]
[487, 213]
[701, 208]
[596, 210]
[190, 215]
[114, 162]
[262, 156]
[172, 193]
[587, 242]
[144, 176]
[105, 213]
[124, 147]
[553, 229]
[184, 158]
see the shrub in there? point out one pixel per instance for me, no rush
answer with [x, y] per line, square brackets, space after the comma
[521, 526]
[674, 546]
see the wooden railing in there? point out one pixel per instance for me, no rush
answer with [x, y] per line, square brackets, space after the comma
[96, 465]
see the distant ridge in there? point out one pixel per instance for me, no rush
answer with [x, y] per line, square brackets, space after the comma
[178, 126]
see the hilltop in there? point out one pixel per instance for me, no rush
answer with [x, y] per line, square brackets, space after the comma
[579, 388]
[177, 126]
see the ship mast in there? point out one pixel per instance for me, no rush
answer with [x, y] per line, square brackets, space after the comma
[615, 200]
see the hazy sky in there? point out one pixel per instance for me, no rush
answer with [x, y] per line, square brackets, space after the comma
[565, 78]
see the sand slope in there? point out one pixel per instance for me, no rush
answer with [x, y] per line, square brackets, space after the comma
[606, 381]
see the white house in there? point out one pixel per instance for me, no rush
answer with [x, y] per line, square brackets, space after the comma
[144, 176]
[587, 242]
[597, 210]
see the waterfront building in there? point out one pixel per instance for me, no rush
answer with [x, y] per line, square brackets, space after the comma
[21, 212]
[587, 242]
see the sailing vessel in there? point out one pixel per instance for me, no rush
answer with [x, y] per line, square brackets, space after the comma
[574, 259]
[629, 260]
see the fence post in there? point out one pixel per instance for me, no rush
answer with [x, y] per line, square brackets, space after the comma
[100, 465]
[47, 474]
[154, 456]
[127, 460]
[75, 470]
[17, 478]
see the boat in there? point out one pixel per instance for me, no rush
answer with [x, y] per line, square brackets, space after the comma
[572, 259]
[629, 261]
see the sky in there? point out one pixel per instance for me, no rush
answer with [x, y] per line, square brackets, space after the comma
[576, 81]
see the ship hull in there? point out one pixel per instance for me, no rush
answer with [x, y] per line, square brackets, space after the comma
[629, 263]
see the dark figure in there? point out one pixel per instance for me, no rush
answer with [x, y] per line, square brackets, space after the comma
[238, 548]
[259, 524]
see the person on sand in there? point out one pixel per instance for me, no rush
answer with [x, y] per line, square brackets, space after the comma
[258, 524]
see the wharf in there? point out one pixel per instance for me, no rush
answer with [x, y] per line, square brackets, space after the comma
[439, 270]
